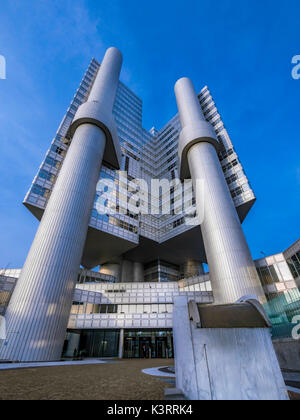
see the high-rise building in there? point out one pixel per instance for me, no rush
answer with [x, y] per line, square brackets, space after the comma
[99, 159]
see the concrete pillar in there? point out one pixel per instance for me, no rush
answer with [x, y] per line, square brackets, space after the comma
[127, 272]
[232, 270]
[38, 313]
[192, 268]
[111, 269]
[138, 272]
[121, 344]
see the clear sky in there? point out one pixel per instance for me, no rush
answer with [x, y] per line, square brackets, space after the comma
[241, 49]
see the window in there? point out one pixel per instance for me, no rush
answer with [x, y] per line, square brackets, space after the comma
[274, 274]
[265, 276]
[292, 268]
[58, 150]
[52, 162]
[231, 179]
[37, 189]
[46, 175]
[108, 309]
[236, 192]
[296, 263]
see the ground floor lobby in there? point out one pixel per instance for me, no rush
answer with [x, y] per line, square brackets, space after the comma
[127, 344]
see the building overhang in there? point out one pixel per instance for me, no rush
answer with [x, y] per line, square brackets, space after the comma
[187, 245]
[101, 247]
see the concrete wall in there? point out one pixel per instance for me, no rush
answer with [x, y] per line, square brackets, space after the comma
[224, 364]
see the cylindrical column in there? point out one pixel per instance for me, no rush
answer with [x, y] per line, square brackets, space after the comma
[127, 272]
[111, 269]
[232, 270]
[138, 272]
[192, 268]
[188, 104]
[121, 344]
[38, 313]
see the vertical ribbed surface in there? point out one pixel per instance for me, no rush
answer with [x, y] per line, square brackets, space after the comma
[188, 104]
[138, 272]
[232, 270]
[38, 313]
[192, 268]
[127, 271]
[111, 269]
[106, 77]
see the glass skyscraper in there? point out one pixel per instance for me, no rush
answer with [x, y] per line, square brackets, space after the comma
[145, 258]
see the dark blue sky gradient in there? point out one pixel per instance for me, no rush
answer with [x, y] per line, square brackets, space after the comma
[241, 49]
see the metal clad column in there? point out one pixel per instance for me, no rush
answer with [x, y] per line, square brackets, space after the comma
[232, 270]
[192, 268]
[38, 313]
[111, 269]
[138, 272]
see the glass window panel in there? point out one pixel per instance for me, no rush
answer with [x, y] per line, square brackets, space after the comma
[125, 309]
[169, 308]
[208, 286]
[96, 309]
[296, 263]
[266, 275]
[292, 268]
[286, 274]
[139, 309]
[155, 309]
[162, 308]
[89, 308]
[132, 309]
[275, 273]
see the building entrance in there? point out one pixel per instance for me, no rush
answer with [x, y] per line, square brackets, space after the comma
[148, 344]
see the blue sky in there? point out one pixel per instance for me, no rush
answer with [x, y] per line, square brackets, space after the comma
[242, 50]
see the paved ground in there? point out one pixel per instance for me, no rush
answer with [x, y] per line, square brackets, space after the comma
[100, 380]
[294, 394]
[107, 381]
[9, 366]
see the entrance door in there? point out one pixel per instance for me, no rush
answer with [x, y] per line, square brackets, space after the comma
[145, 347]
[131, 347]
[161, 347]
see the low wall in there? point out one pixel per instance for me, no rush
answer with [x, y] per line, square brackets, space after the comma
[224, 363]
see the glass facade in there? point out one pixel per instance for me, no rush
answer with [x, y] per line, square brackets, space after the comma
[155, 343]
[92, 343]
[102, 307]
[148, 344]
[147, 155]
[7, 285]
[101, 304]
[280, 279]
